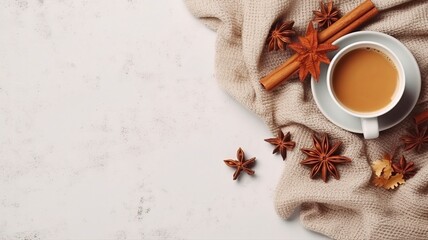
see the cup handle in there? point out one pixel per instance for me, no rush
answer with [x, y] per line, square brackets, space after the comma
[370, 127]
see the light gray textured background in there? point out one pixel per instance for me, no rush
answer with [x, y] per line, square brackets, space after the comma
[112, 126]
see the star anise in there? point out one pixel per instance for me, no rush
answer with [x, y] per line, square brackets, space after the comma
[280, 34]
[311, 54]
[327, 15]
[282, 143]
[322, 158]
[416, 139]
[241, 164]
[408, 169]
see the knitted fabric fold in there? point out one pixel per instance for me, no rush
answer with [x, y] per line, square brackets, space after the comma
[349, 208]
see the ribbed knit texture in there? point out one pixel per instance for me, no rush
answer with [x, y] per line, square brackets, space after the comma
[350, 208]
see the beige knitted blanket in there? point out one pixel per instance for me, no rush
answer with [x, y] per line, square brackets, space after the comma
[349, 208]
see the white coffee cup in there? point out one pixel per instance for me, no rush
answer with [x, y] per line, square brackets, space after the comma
[369, 121]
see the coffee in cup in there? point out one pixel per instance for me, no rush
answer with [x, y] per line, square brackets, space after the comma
[366, 80]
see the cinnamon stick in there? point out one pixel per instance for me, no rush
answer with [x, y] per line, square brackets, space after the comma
[421, 117]
[351, 27]
[346, 20]
[343, 26]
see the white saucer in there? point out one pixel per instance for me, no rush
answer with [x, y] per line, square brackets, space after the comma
[411, 93]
